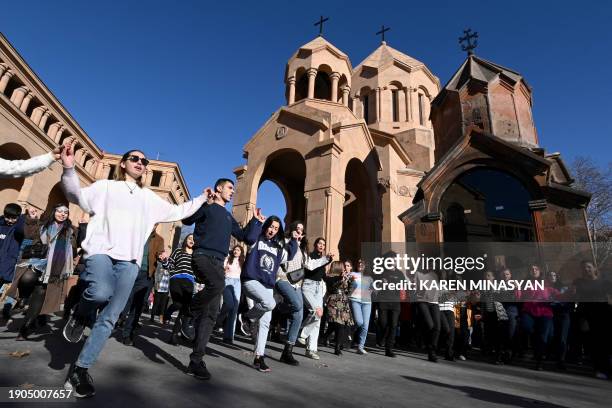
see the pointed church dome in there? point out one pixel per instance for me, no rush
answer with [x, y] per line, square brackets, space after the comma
[385, 56]
[479, 69]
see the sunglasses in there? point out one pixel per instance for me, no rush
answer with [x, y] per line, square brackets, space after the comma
[136, 159]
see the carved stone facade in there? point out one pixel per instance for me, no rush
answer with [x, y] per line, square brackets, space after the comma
[353, 146]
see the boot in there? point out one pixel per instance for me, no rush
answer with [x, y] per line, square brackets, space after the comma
[287, 356]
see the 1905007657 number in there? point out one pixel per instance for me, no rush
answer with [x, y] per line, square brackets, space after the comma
[38, 393]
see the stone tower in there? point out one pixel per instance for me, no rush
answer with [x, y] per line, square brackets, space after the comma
[346, 172]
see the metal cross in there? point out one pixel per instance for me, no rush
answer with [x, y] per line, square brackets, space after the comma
[382, 31]
[467, 38]
[320, 24]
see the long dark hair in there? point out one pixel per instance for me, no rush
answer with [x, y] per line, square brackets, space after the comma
[278, 238]
[293, 227]
[120, 171]
[184, 245]
[66, 225]
[231, 257]
[314, 248]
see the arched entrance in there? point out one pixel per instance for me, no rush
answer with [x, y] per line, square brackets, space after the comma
[357, 215]
[487, 204]
[10, 188]
[56, 196]
[287, 169]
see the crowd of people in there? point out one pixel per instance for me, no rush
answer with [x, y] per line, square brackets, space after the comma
[267, 284]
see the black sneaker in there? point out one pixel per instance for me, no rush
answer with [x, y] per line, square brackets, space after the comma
[80, 382]
[198, 370]
[128, 340]
[73, 330]
[188, 329]
[390, 353]
[261, 365]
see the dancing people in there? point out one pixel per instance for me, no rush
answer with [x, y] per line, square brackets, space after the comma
[114, 249]
[231, 294]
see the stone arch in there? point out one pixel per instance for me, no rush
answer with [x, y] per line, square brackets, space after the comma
[496, 198]
[397, 109]
[287, 169]
[368, 104]
[323, 83]
[301, 84]
[56, 196]
[10, 188]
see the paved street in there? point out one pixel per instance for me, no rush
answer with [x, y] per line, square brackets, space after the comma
[151, 374]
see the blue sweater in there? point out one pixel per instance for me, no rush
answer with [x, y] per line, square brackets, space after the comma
[214, 226]
[265, 257]
[11, 237]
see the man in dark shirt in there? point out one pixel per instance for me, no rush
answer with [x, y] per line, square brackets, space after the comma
[214, 226]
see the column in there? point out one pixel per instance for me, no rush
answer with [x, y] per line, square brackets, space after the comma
[53, 129]
[4, 80]
[345, 95]
[335, 77]
[43, 120]
[312, 74]
[407, 91]
[413, 106]
[37, 114]
[291, 82]
[148, 178]
[18, 95]
[378, 110]
[26, 102]
[58, 135]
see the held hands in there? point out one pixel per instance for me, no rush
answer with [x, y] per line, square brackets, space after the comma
[57, 152]
[210, 195]
[330, 256]
[67, 153]
[163, 256]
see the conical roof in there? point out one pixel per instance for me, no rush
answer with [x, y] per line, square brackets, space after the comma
[482, 70]
[385, 56]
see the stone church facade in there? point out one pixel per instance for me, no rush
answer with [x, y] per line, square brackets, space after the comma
[382, 153]
[33, 122]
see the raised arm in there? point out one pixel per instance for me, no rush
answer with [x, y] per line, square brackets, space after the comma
[312, 264]
[163, 211]
[24, 168]
[249, 233]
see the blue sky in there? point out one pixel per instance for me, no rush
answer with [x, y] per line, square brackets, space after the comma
[194, 80]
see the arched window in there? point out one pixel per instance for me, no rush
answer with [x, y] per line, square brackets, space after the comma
[322, 86]
[301, 84]
[421, 106]
[487, 204]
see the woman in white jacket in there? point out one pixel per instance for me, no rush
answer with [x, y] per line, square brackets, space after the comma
[25, 168]
[123, 214]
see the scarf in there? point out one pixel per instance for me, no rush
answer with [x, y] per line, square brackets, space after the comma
[59, 234]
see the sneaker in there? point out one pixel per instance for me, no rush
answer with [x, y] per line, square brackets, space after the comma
[462, 357]
[261, 365]
[301, 340]
[312, 354]
[228, 342]
[432, 357]
[128, 340]
[79, 382]
[361, 351]
[247, 326]
[241, 329]
[188, 329]
[390, 353]
[73, 330]
[174, 340]
[198, 370]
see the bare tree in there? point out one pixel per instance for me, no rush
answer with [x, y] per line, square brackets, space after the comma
[597, 181]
